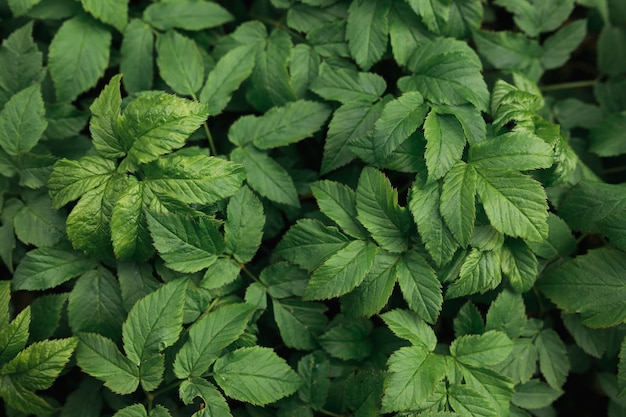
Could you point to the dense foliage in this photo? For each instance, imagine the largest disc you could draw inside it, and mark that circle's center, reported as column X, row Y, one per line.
column 313, row 208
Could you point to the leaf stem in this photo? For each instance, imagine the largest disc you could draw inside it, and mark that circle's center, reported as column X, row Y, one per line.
column 207, row 132
column 569, row 85
column 248, row 273
column 330, row 413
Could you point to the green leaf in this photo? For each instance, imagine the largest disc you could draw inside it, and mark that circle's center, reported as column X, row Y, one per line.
column 46, row 316
column 366, row 31
column 489, row 348
column 593, row 342
column 243, row 229
column 407, row 325
column 71, row 179
column 113, row 12
column 424, row 203
column 496, row 388
column 445, row 143
column 5, row 300
column 480, row 272
column 105, row 111
column 99, row 293
column 22, row 121
column 519, row 151
column 37, row 367
column 535, row 17
column 135, row 410
column 196, row 179
column 458, row 201
column 208, row 336
column 314, row 370
column 299, row 322
column 610, row 47
column 186, row 14
column 535, row 394
column 399, row 120
column 280, row 126
column 447, row 71
column 180, row 62
column 255, row 375
column 129, row 230
column 378, row 210
column 521, row 364
column 558, row 47
column 606, row 137
column 137, row 60
column 14, row 335
column 468, row 401
column 435, row 13
column 342, row 272
column 345, row 85
column 214, row 403
column 588, row 203
column 507, row 313
column 79, row 54
column 413, row 374
column 136, row 281
column 553, row 361
column 153, row 324
column 591, row 285
column 48, row 267
column 560, row 242
column 186, row 243
column 36, row 223
column 223, row 271
column 156, row 123
column 520, row 264
column 515, row 203
column 229, row 72
column 266, row 176
column 468, row 321
column 19, row 7
column 99, row 357
column 348, row 340
column 621, row 375
column 338, row 202
column 420, row 287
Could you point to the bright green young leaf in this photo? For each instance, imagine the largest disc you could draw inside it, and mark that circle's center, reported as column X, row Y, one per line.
column 407, row 325
column 591, row 285
column 338, row 202
column 14, row 336
column 208, row 336
column 156, row 123
column 186, row 243
column 553, row 360
column 299, row 322
column 399, row 120
column 469, row 402
column 413, row 373
column 214, row 403
column 79, row 54
column 349, row 122
column 280, row 126
column 342, row 272
column 113, row 12
column 22, row 121
column 458, row 201
column 366, row 31
column 243, row 229
column 230, row 71
column 535, row 17
column 71, row 179
column 99, row 293
column 520, row 264
column 515, row 203
column 435, row 13
column 99, row 357
column 420, row 287
column 129, row 230
column 507, row 313
column 479, row 273
column 36, row 223
column 180, row 63
column 348, row 340
column 445, row 143
column 105, row 111
column 447, row 71
column 424, row 203
column 255, row 375
column 186, row 14
column 344, row 85
column 266, row 176
column 137, row 61
column 378, row 210
column 535, row 394
column 48, row 267
column 519, row 151
column 486, row 349
column 558, row 47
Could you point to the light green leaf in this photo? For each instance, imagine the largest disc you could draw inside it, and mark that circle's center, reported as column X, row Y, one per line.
column 348, row 340
column 180, row 63
column 434, row 13
column 266, row 176
column 79, row 54
column 558, row 47
column 591, row 285
column 515, row 203
column 22, row 121
column 36, row 223
column 345, row 85
column 137, row 60
column 129, row 231
column 223, row 80
column 156, row 123
column 447, row 71
column 378, row 210
column 519, row 151
column 99, row 293
column 408, row 325
column 223, row 271
column 420, row 287
column 445, row 143
column 553, row 361
column 71, row 179
column 342, row 272
column 186, row 243
column 37, row 366
column 489, row 348
column 113, row 12
column 299, row 322
column 535, row 17
column 48, row 267
column 186, row 14
column 214, row 403
column 469, row 402
column 458, row 201
column 366, row 31
column 14, row 335
column 480, row 272
column 496, row 388
column 413, row 373
column 196, row 179
column 520, row 264
column 338, row 202
column 99, row 357
column 243, row 229
column 255, row 375
column 208, row 336
column 399, row 120
column 280, row 126
column 105, row 111
column 535, row 394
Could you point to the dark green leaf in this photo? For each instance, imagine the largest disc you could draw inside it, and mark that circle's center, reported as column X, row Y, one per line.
column 435, row 13
column 113, row 12
column 553, row 360
column 137, row 61
column 22, row 121
column 348, row 340
column 507, row 313
column 535, row 394
column 338, row 202
column 36, row 223
column 367, row 31
column 536, row 17
column 299, row 322
column 559, row 46
column 243, row 229
column 458, row 204
column 180, row 62
column 186, row 14
column 420, row 287
column 214, row 403
column 345, row 85
column 510, row 51
column 480, row 272
column 520, row 264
